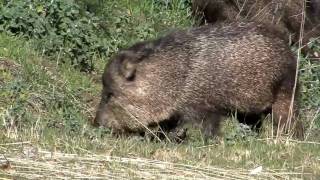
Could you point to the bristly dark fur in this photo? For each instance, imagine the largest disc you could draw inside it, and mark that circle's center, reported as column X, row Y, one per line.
column 198, row 75
column 283, row 14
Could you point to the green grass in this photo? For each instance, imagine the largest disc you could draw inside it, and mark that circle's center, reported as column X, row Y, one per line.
column 46, row 106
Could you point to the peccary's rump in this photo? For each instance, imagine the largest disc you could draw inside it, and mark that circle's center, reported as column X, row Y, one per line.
column 199, row 74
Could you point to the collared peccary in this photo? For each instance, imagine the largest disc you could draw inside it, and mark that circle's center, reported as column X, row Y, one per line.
column 199, row 75
column 283, row 14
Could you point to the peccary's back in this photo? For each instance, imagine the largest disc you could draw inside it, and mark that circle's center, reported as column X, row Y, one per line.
column 236, row 66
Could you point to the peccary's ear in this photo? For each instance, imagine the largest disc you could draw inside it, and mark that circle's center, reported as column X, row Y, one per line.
column 131, row 59
column 128, row 70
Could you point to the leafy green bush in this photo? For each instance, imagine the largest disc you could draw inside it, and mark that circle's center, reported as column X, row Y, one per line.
column 310, row 83
column 127, row 22
column 310, row 78
column 59, row 27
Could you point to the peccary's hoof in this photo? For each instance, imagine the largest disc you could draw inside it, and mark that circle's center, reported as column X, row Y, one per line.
column 178, row 135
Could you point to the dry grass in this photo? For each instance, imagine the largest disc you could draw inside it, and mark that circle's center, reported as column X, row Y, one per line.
column 34, row 163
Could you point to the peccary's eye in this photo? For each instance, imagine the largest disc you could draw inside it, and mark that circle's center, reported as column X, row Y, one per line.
column 131, row 77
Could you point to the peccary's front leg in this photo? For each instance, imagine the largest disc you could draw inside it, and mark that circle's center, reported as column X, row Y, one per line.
column 177, row 132
column 172, row 129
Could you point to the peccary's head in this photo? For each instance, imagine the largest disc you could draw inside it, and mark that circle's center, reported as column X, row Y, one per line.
column 130, row 99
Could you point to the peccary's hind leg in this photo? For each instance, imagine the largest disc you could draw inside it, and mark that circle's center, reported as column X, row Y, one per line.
column 211, row 125
column 285, row 116
column 252, row 119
